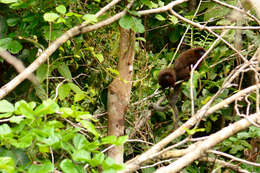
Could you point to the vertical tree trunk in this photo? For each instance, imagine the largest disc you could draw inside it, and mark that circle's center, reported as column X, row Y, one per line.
column 119, row 91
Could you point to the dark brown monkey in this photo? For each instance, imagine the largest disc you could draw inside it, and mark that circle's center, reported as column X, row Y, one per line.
column 182, row 67
column 180, row 71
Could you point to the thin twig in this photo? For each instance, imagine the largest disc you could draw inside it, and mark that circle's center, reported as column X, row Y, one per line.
column 234, row 158
column 237, row 9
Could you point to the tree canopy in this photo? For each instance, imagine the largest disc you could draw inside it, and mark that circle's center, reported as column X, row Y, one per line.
column 79, row 86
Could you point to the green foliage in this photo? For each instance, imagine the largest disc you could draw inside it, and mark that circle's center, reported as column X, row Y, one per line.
column 77, row 76
column 41, row 129
column 237, row 144
column 11, row 45
column 8, row 1
column 131, row 22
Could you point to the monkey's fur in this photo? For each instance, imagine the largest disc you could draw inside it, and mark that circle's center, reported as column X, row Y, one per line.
column 180, row 71
column 182, row 67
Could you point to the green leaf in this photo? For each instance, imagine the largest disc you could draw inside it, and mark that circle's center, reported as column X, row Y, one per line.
column 24, row 141
column 64, row 91
column 67, row 166
column 61, row 9
column 67, row 112
column 194, row 130
column 97, row 159
column 5, row 42
column 73, row 14
column 109, row 140
column 114, row 71
column 6, row 115
column 79, row 96
column 61, row 20
column 254, row 131
column 6, row 106
column 110, row 163
column 131, row 22
column 41, row 92
column 7, row 1
column 148, row 170
column 23, row 108
column 236, row 148
column 90, row 18
column 45, row 167
column 51, row 140
column 41, row 72
column 15, row 119
column 149, row 3
column 174, row 19
column 159, row 17
column 5, row 129
column 47, row 107
column 243, row 135
column 13, row 21
column 75, row 88
column 64, row 70
column 67, row 147
column 137, row 25
column 141, row 39
column 81, row 156
column 7, row 165
column 99, row 57
column 79, row 141
column 50, row 17
column 14, row 47
column 90, row 127
column 87, row 116
column 121, row 140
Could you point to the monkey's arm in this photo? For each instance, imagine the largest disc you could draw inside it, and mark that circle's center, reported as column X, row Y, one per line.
column 157, row 106
column 172, row 100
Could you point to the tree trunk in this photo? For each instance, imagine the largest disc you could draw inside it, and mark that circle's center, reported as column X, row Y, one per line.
column 119, row 91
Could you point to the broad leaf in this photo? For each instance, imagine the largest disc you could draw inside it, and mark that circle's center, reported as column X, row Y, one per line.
column 6, row 106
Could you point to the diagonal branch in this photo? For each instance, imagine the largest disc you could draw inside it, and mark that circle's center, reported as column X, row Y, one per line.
column 80, row 29
column 17, row 64
column 56, row 44
column 210, row 142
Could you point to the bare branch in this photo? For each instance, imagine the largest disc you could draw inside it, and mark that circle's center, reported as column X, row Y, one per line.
column 234, row 158
column 237, row 9
column 133, row 164
column 163, row 8
column 107, row 7
column 210, row 142
column 17, row 64
column 55, row 45
column 224, row 164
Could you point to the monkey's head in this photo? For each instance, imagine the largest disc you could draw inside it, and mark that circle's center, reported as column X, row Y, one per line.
column 167, row 78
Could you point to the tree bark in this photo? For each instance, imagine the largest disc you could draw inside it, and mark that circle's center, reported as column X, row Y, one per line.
column 119, row 91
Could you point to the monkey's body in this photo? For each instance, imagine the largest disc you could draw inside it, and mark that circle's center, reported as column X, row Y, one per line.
column 180, row 71
column 182, row 67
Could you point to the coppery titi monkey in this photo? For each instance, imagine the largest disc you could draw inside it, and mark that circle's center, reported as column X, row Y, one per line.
column 180, row 71
column 181, row 68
